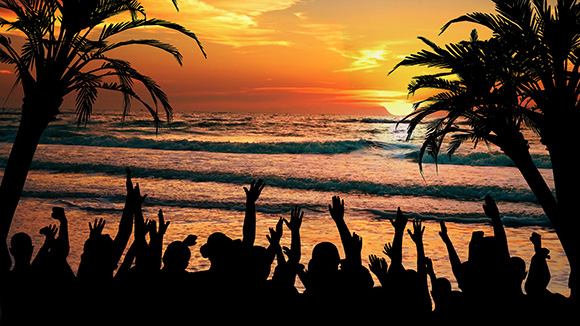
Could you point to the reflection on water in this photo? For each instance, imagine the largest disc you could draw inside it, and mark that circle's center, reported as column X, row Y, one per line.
column 195, row 169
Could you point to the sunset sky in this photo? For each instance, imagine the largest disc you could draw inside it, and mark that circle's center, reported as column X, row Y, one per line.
column 319, row 56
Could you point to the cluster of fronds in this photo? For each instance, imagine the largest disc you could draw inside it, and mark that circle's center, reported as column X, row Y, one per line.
column 489, row 90
column 65, row 52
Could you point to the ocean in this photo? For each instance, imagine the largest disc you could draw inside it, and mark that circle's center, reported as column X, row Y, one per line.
column 195, row 168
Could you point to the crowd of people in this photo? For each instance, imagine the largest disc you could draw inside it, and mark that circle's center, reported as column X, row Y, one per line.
column 118, row 283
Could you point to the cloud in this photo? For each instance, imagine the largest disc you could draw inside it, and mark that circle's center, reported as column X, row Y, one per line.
column 364, row 60
column 337, row 38
column 229, row 22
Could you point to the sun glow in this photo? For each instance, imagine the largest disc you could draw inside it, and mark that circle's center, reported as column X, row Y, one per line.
column 398, row 108
column 319, row 56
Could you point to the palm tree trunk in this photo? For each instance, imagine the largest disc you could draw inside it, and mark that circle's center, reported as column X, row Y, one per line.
column 567, row 222
column 29, row 132
column 516, row 147
column 559, row 133
column 517, row 150
column 562, row 211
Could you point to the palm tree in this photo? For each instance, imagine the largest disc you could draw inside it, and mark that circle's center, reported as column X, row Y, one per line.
column 66, row 49
column 478, row 93
column 546, row 41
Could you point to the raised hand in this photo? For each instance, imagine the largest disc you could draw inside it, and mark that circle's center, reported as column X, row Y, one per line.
column 378, row 266
column 492, row 212
column 255, row 190
column 58, row 214
column 443, row 233
column 49, row 232
column 336, row 209
column 151, row 226
column 162, row 224
column 138, row 199
column 400, row 221
column 95, row 230
column 275, row 234
column 388, row 250
column 490, row 208
column 249, row 227
column 191, row 240
column 357, row 242
column 295, row 222
column 129, row 182
column 418, row 229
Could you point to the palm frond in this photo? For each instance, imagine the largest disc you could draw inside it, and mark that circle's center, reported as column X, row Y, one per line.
column 169, row 48
column 436, row 58
column 87, row 92
column 116, row 28
column 127, row 75
column 490, row 21
column 433, row 82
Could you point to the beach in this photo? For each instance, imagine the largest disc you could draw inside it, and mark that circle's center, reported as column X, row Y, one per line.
column 194, row 169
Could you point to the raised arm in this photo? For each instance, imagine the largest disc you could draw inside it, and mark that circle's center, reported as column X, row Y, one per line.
column 395, row 249
column 294, row 224
column 492, row 212
column 379, row 267
column 453, row 257
column 417, row 237
column 336, row 210
column 274, row 249
column 140, row 242
column 61, row 246
column 252, row 195
column 155, row 249
column 126, row 223
column 42, row 256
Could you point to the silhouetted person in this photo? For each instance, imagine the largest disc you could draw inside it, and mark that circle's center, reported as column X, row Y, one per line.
column 232, row 262
column 19, row 283
column 21, row 249
column 176, row 258
column 284, row 277
column 357, row 279
column 51, row 260
column 543, row 304
column 96, row 265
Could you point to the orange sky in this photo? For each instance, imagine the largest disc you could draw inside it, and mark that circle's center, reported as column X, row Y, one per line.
column 319, row 56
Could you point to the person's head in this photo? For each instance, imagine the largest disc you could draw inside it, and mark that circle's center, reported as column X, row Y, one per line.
column 21, row 248
column 325, row 257
column 98, row 253
column 217, row 249
column 176, row 256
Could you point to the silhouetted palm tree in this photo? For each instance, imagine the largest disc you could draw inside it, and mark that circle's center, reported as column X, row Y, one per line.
column 547, row 41
column 479, row 95
column 66, row 49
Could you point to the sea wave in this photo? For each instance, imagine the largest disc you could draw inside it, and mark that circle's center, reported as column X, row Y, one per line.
column 112, row 204
column 454, row 192
column 493, row 158
column 307, row 147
